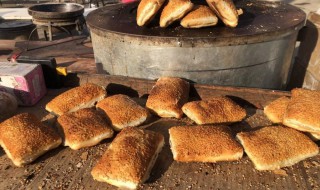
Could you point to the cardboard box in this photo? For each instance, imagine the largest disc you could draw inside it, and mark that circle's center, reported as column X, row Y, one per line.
column 24, row 81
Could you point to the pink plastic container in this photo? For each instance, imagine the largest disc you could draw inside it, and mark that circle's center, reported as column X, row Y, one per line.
column 24, row 81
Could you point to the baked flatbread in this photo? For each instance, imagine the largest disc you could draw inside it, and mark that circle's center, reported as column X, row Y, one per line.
column 274, row 147
column 276, row 109
column 123, row 112
column 226, row 11
column 168, row 96
column 174, row 10
column 303, row 111
column 204, row 144
column 84, row 96
column 215, row 110
column 200, row 16
column 84, row 128
column 275, row 112
column 24, row 138
column 147, row 10
column 129, row 158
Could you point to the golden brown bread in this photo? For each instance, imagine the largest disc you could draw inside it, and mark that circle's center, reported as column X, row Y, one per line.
column 147, row 10
column 123, row 112
column 174, row 10
column 276, row 109
column 200, row 16
column 204, row 144
column 215, row 110
column 84, row 96
column 129, row 158
column 167, row 97
column 303, row 111
column 274, row 147
column 24, row 138
column 225, row 10
column 83, row 128
column 275, row 112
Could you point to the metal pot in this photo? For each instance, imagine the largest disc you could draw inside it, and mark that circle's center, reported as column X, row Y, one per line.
column 16, row 30
column 56, row 10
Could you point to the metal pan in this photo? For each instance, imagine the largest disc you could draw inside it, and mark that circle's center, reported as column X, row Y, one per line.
column 56, row 10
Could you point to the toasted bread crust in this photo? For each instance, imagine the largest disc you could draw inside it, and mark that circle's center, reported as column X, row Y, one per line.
column 168, row 96
column 76, row 98
column 83, row 128
column 204, row 144
column 128, row 157
column 215, row 110
column 200, row 16
column 303, row 111
column 276, row 109
column 147, row 10
column 225, row 10
column 123, row 112
column 25, row 138
column 174, row 10
column 273, row 147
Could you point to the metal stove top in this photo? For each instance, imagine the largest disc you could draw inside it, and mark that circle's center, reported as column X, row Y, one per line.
column 261, row 21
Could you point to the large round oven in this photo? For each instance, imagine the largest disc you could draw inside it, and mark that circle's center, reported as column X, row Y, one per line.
column 257, row 53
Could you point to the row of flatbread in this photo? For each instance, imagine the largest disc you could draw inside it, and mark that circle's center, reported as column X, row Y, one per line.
column 24, row 137
column 130, row 157
column 191, row 16
column 269, row 148
column 289, row 140
column 299, row 112
column 266, row 147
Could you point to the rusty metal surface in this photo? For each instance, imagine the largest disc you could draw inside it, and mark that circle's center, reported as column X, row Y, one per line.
column 263, row 65
column 56, row 10
column 261, row 21
column 63, row 168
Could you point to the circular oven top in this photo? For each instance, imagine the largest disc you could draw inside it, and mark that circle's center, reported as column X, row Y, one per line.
column 260, row 21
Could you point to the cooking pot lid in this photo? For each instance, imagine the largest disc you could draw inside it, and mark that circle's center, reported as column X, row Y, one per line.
column 15, row 24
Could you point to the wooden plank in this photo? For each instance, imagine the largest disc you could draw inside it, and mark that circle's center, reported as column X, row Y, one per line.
column 7, row 44
column 141, row 87
column 70, row 47
column 77, row 65
column 64, row 168
column 75, row 53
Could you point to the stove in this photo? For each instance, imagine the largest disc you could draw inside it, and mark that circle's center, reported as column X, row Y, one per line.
column 257, row 53
column 63, row 17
